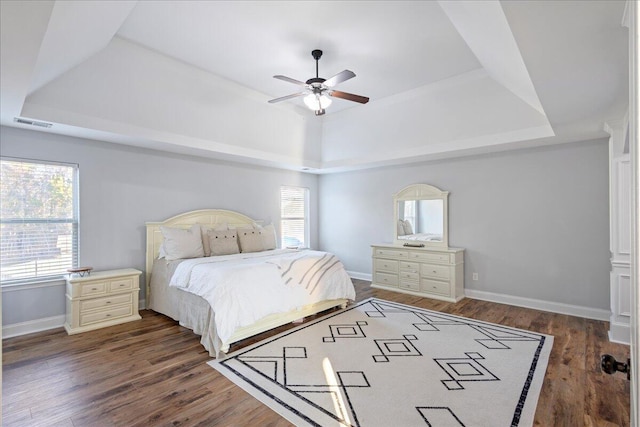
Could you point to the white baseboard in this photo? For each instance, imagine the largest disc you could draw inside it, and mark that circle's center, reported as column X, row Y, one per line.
column 554, row 307
column 38, row 325
column 358, row 275
column 31, row 326
column 619, row 333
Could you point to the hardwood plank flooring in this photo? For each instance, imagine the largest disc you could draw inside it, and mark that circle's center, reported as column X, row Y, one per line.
column 152, row 372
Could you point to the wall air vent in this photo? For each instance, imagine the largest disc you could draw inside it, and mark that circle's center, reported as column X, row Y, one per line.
column 30, row 122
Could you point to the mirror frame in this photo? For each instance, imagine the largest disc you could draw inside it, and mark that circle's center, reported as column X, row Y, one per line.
column 423, row 192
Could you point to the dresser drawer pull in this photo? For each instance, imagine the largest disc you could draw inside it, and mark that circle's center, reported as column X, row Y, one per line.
column 108, row 315
column 121, row 285
column 107, row 302
column 94, row 289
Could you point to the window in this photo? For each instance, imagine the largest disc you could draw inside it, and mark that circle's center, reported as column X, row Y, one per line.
column 294, row 224
column 38, row 219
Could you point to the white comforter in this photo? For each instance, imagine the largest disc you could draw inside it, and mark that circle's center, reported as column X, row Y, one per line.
column 244, row 288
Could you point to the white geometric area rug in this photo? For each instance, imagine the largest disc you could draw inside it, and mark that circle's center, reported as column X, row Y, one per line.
column 380, row 363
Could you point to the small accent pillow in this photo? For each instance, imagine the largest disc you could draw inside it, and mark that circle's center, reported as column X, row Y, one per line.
column 205, row 239
column 180, row 243
column 223, row 242
column 251, row 240
column 400, row 227
column 407, row 227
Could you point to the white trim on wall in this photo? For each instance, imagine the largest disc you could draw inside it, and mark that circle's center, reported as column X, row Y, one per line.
column 554, row 307
column 32, row 326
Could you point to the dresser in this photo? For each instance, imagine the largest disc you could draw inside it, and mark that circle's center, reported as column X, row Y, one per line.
column 427, row 272
column 101, row 299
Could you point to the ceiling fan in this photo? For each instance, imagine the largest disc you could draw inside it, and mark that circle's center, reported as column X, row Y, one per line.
column 318, row 90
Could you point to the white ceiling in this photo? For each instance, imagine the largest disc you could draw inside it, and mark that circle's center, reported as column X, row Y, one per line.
column 444, row 77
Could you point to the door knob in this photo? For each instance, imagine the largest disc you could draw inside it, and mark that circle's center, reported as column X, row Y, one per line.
column 610, row 365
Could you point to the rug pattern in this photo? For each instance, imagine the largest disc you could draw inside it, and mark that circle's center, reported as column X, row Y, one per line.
column 380, row 363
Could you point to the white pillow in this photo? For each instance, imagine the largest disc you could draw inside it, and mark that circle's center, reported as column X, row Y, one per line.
column 269, row 239
column 180, row 243
column 400, row 227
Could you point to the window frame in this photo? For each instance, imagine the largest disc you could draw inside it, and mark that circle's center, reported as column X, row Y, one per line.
column 304, row 218
column 74, row 221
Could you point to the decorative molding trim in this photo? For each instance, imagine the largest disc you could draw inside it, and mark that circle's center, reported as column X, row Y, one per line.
column 619, row 333
column 554, row 307
column 32, row 326
column 358, row 275
column 33, row 285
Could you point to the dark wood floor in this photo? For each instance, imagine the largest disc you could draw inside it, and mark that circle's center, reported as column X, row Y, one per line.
column 153, row 372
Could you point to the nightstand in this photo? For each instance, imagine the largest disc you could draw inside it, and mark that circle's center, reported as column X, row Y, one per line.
column 104, row 298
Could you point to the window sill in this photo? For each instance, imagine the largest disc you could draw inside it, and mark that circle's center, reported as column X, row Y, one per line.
column 44, row 283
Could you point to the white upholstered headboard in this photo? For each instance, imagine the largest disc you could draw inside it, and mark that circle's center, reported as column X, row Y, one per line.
column 207, row 217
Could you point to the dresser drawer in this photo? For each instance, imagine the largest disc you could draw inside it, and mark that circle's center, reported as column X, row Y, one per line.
column 386, row 279
column 435, row 287
column 409, row 266
column 121, row 285
column 104, row 315
column 91, row 304
column 91, row 288
column 435, row 271
column 391, row 253
column 408, row 275
column 386, row 265
column 413, row 285
column 430, row 257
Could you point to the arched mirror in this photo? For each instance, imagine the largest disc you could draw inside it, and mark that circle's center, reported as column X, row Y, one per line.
column 420, row 216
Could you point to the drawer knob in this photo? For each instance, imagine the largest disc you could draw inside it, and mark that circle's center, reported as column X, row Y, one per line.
column 94, row 289
column 121, row 285
column 108, row 302
column 108, row 315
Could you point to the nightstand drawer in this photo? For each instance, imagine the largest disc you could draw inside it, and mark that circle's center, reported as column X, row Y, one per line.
column 111, row 301
column 386, row 265
column 121, row 285
column 92, row 288
column 103, row 315
column 435, row 271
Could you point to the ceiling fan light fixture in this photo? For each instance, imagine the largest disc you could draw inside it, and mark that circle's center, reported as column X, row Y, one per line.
column 316, row 101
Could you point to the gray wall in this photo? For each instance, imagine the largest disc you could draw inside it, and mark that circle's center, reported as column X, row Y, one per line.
column 123, row 187
column 534, row 222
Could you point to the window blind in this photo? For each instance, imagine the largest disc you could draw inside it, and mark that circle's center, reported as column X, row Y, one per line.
column 293, row 216
column 38, row 219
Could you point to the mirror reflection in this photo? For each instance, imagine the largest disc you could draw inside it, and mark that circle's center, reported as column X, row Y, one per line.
column 421, row 220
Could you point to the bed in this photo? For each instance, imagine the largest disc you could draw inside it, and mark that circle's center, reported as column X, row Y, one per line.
column 188, row 290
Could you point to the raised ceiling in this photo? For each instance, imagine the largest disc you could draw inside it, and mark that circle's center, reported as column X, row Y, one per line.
column 444, row 77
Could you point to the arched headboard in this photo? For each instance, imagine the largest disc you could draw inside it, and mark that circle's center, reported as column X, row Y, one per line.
column 206, row 217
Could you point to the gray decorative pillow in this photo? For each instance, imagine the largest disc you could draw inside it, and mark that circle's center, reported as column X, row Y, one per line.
column 250, row 240
column 223, row 242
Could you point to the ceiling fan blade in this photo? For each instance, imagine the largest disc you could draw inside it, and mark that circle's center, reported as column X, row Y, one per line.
column 290, row 80
column 349, row 96
column 284, row 98
column 339, row 78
